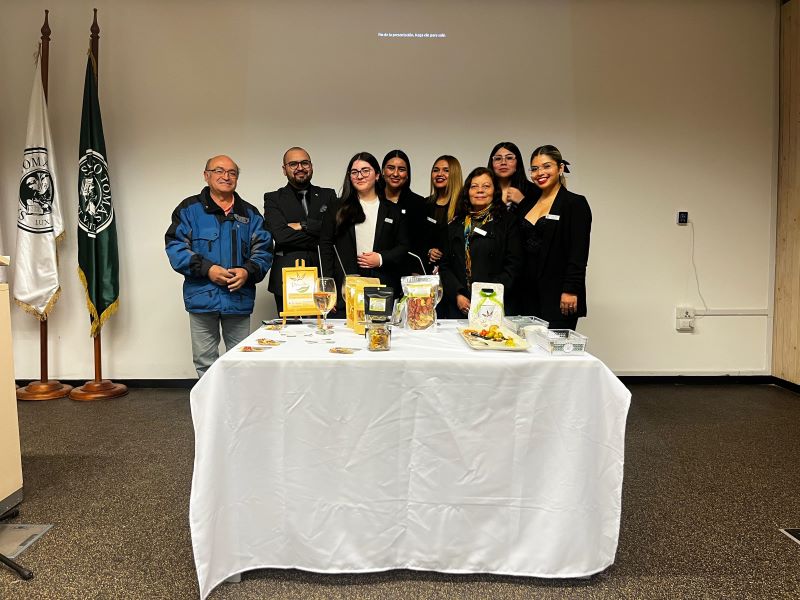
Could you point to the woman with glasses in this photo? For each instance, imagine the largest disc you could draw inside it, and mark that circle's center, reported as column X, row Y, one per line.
column 396, row 170
column 555, row 233
column 483, row 244
column 505, row 160
column 366, row 230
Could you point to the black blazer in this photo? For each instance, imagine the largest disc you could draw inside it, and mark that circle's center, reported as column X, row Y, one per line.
column 391, row 242
column 496, row 258
column 530, row 192
column 412, row 210
column 562, row 259
column 282, row 207
column 433, row 234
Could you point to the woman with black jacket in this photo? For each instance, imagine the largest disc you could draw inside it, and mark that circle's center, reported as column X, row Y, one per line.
column 483, row 244
column 440, row 208
column 396, row 169
column 555, row 232
column 505, row 161
column 364, row 228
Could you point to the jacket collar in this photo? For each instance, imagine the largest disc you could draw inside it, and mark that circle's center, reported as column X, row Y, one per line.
column 289, row 189
column 211, row 207
column 558, row 202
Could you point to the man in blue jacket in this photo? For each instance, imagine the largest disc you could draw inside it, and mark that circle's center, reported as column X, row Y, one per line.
column 218, row 242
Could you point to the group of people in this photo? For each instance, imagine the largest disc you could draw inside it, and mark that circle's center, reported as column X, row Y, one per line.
column 496, row 226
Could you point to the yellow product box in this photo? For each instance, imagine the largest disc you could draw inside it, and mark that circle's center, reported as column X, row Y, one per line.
column 354, row 300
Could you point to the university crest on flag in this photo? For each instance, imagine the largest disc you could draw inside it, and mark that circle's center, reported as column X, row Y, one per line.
column 36, row 192
column 95, row 212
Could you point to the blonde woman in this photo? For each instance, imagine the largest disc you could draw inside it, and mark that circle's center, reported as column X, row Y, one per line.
column 446, row 185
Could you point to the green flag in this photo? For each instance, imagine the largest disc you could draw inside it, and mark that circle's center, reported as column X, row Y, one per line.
column 98, row 261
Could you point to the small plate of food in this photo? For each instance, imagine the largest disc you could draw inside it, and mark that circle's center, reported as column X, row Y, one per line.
column 493, row 337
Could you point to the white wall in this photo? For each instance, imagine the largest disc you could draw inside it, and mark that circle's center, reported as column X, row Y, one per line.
column 659, row 106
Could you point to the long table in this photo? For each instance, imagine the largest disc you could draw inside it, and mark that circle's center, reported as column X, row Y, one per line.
column 432, row 456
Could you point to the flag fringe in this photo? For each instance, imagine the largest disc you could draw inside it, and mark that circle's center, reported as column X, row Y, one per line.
column 97, row 320
column 42, row 316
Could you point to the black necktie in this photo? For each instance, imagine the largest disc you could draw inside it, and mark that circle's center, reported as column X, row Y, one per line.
column 303, row 201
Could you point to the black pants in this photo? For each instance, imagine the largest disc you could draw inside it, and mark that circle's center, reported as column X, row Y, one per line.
column 564, row 323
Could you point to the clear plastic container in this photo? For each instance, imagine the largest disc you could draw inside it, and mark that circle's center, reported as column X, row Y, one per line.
column 421, row 294
column 517, row 324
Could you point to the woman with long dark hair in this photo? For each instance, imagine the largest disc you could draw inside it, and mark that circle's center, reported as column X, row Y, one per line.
column 483, row 244
column 505, row 161
column 396, row 170
column 555, row 231
column 364, row 228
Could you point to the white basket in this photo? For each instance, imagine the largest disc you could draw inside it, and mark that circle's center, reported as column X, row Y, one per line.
column 560, row 341
column 517, row 324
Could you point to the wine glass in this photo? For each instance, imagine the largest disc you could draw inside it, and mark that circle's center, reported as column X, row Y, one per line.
column 439, row 295
column 325, row 300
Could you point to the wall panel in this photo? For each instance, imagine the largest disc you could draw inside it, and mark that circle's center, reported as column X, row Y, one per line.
column 786, row 335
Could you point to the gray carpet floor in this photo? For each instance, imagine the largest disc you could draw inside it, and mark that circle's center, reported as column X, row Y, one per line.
column 711, row 475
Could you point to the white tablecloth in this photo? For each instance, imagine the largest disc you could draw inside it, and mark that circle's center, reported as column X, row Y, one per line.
column 432, row 456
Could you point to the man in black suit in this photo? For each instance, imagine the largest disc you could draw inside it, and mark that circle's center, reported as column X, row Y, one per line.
column 293, row 215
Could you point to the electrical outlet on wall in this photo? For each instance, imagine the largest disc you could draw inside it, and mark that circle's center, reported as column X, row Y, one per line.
column 682, row 218
column 684, row 318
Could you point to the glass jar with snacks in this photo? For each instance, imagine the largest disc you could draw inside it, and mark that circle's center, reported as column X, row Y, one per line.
column 379, row 336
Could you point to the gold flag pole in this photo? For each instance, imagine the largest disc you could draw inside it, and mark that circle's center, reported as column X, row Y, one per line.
column 98, row 388
column 44, row 389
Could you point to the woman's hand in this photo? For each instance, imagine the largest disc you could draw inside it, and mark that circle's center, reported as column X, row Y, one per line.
column 369, row 260
column 512, row 194
column 463, row 303
column 434, row 255
column 569, row 304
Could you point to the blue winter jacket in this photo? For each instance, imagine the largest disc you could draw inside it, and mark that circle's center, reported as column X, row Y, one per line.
column 202, row 235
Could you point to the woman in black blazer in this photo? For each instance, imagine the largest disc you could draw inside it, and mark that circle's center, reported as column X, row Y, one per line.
column 555, row 232
column 364, row 228
column 483, row 244
column 505, row 160
column 396, row 170
column 440, row 208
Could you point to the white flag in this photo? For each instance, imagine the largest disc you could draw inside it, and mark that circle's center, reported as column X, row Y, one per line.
column 39, row 223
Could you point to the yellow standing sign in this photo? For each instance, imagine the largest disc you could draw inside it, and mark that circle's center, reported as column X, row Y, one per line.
column 298, row 291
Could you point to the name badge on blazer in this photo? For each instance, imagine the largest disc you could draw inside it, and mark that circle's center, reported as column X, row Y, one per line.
column 432, row 220
column 552, row 217
column 389, row 220
column 323, row 208
column 480, row 231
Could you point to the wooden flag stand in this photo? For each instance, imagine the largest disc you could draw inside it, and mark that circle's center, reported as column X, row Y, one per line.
column 98, row 388
column 44, row 389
